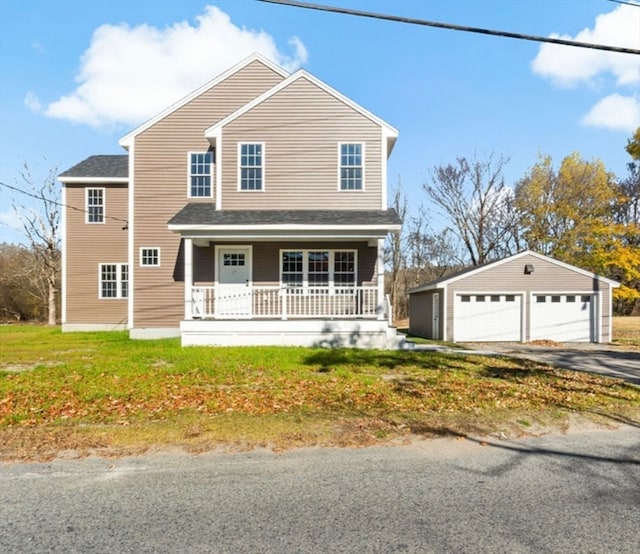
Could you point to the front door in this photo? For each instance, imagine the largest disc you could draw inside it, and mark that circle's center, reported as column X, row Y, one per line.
column 233, row 293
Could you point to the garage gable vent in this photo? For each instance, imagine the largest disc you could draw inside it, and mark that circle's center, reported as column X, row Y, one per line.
column 528, row 269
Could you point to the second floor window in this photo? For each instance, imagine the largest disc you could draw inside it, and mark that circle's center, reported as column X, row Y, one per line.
column 251, row 166
column 351, row 166
column 150, row 257
column 95, row 205
column 200, row 173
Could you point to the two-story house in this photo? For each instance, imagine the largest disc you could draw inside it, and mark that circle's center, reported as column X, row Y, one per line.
column 253, row 211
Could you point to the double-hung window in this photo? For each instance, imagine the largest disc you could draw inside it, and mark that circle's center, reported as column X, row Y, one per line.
column 318, row 270
column 200, row 174
column 113, row 280
column 351, row 157
column 94, row 205
column 251, row 166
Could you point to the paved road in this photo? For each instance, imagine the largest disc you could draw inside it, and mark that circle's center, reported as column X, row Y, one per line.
column 576, row 493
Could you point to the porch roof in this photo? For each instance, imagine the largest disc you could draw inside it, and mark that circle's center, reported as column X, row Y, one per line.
column 200, row 219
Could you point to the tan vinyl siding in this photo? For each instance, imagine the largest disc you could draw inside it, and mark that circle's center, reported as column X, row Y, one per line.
column 87, row 246
column 301, row 127
column 161, row 188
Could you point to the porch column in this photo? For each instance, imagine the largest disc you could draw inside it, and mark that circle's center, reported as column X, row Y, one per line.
column 188, row 278
column 381, row 302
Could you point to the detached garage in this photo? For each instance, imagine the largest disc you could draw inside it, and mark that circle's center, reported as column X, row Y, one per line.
column 522, row 298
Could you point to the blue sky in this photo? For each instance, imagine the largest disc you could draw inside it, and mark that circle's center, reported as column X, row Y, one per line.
column 75, row 76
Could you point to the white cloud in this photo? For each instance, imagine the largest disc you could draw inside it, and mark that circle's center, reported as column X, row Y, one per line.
column 615, row 112
column 31, row 101
column 129, row 74
column 11, row 219
column 570, row 66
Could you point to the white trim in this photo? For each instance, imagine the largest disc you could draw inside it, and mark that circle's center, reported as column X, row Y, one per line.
column 141, row 257
column 94, row 180
column 86, row 206
column 362, row 166
column 189, row 175
column 263, row 180
column 127, row 140
column 441, row 283
column 188, row 278
column 445, row 313
column 218, row 168
column 380, row 278
column 610, row 314
column 63, row 261
column 301, row 73
column 130, row 235
column 118, row 281
column 384, row 155
column 286, row 227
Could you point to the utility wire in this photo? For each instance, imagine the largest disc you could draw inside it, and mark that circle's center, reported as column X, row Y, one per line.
column 56, row 203
column 625, row 3
column 450, row 26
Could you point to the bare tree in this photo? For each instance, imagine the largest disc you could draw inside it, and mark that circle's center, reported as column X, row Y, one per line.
column 474, row 197
column 41, row 227
column 395, row 252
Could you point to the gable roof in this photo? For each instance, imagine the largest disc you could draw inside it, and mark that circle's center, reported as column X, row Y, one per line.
column 204, row 216
column 126, row 141
column 439, row 283
column 113, row 168
column 390, row 132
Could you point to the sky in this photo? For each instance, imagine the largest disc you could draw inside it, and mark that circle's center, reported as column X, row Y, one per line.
column 77, row 75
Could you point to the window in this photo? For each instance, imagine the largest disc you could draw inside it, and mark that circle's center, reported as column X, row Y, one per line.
column 95, row 205
column 318, row 268
column 114, row 280
column 465, row 298
column 555, row 299
column 541, row 299
column 150, row 257
column 480, row 298
column 510, row 298
column 251, row 166
column 233, row 259
column 200, row 173
column 586, row 299
column 351, row 166
column 495, row 298
column 571, row 298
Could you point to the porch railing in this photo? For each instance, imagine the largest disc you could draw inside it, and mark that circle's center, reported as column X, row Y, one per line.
column 286, row 302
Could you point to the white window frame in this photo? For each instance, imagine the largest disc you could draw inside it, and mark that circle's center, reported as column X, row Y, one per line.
column 103, row 192
column 118, row 280
column 262, row 166
column 142, row 256
column 191, row 175
column 361, row 166
column 331, row 285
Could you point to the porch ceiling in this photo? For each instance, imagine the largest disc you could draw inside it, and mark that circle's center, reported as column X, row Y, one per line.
column 203, row 220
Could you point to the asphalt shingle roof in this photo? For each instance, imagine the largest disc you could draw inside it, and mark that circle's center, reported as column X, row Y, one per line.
column 112, row 165
column 206, row 214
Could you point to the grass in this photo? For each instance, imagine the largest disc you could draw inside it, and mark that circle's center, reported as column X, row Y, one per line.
column 101, row 392
column 626, row 332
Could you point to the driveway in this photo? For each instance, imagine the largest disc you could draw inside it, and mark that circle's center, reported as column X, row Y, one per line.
column 602, row 359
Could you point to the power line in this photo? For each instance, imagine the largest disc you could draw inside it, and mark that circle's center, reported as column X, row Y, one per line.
column 625, row 3
column 56, row 203
column 453, row 27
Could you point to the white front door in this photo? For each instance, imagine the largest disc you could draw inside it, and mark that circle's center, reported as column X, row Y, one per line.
column 233, row 292
column 435, row 319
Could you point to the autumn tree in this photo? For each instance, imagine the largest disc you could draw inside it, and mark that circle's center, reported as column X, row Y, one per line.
column 569, row 213
column 476, row 201
column 41, row 226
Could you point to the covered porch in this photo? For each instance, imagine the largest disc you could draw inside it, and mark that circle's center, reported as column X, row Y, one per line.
column 313, row 278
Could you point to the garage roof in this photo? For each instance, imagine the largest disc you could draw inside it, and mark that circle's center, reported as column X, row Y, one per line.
column 465, row 273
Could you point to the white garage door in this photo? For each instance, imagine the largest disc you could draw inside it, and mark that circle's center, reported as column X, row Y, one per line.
column 487, row 317
column 562, row 317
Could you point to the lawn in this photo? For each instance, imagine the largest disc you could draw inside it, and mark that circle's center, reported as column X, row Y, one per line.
column 101, row 392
